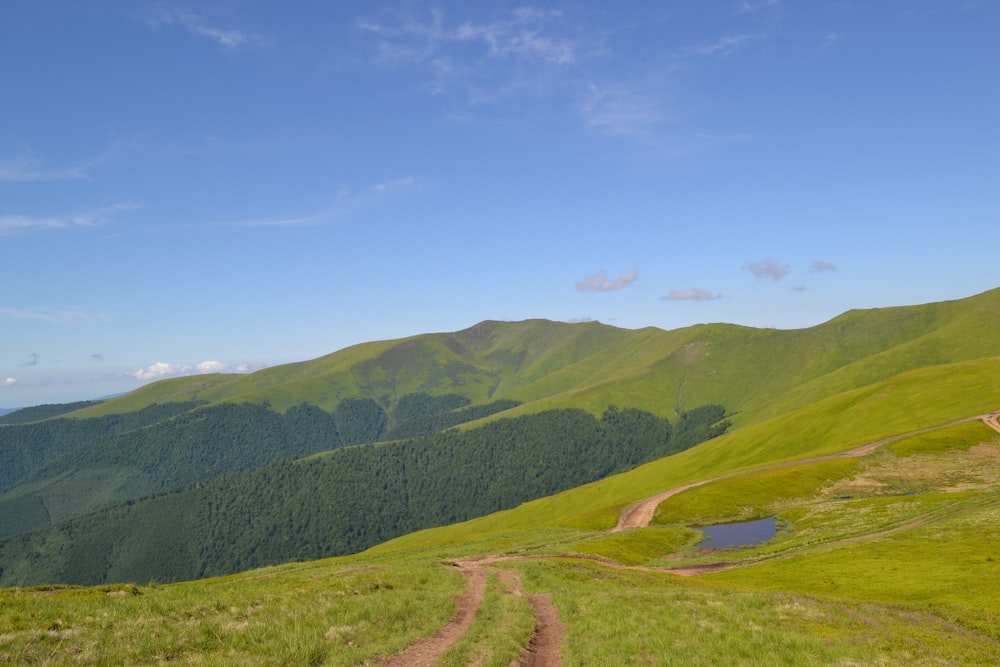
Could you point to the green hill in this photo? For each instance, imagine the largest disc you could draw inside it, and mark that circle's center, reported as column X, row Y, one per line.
column 862, row 436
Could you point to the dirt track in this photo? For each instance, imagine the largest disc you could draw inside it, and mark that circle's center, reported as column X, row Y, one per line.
column 544, row 649
column 640, row 515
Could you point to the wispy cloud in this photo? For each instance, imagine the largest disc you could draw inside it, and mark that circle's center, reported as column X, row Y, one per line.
column 721, row 48
column 622, row 110
column 200, row 26
column 62, row 317
column 692, row 294
column 521, row 53
column 525, row 35
column 754, row 6
column 18, row 224
column 347, row 202
column 8, row 382
column 599, row 282
column 821, row 265
column 767, row 268
column 32, row 169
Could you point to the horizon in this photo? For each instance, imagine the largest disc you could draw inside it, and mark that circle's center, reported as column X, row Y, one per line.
column 229, row 187
column 6, row 409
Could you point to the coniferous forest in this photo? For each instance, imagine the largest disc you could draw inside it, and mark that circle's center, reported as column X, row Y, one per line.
column 245, row 498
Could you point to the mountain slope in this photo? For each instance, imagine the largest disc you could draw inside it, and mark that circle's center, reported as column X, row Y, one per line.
column 880, row 558
column 756, row 373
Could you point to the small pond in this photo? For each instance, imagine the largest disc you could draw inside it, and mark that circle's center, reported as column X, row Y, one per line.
column 743, row 534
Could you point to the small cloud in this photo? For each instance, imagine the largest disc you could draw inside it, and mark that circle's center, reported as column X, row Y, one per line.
column 799, row 288
column 32, row 360
column 8, row 382
column 211, row 367
column 599, row 282
column 692, row 294
column 97, row 357
column 248, row 368
column 160, row 369
column 820, row 265
column 767, row 268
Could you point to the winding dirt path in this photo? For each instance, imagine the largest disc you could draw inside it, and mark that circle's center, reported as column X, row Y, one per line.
column 640, row 515
column 544, row 648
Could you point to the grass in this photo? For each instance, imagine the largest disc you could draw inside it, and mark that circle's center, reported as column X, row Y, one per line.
column 828, row 591
column 502, row 627
column 886, row 560
column 319, row 613
column 625, row 617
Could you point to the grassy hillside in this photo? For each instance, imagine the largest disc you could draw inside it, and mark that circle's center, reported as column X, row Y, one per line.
column 881, row 560
column 882, row 557
column 756, row 373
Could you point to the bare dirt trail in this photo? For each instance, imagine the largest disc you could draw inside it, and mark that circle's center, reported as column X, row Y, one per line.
column 640, row 515
column 427, row 652
column 544, row 649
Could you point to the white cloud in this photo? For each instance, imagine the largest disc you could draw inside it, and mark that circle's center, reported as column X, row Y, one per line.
column 599, row 282
column 8, row 382
column 767, row 268
column 692, row 294
column 820, row 265
column 163, row 369
column 160, row 369
column 211, row 367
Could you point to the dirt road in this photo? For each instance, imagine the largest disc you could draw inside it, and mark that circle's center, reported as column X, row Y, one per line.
column 544, row 649
column 640, row 515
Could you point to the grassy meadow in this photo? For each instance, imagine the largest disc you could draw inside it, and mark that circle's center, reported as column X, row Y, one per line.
column 886, row 558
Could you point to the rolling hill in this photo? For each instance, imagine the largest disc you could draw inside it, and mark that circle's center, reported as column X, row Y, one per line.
column 868, row 438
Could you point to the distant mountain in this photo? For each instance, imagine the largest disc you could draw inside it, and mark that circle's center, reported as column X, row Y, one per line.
column 178, row 436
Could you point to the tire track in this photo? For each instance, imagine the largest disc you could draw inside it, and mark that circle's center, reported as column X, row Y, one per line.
column 641, row 514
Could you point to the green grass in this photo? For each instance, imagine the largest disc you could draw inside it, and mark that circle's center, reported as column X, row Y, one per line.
column 625, row 617
column 322, row 613
column 502, row 627
column 863, row 573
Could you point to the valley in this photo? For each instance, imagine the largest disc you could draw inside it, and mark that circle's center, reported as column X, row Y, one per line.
column 879, row 462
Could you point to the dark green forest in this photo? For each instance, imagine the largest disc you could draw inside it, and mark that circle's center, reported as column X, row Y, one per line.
column 166, row 447
column 347, row 499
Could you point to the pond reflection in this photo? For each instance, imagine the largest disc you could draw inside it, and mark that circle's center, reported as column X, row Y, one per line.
column 742, row 534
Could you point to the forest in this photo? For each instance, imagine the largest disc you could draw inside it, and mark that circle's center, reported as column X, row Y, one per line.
column 346, row 499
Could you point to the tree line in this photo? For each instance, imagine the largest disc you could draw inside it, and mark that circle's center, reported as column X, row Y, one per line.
column 348, row 499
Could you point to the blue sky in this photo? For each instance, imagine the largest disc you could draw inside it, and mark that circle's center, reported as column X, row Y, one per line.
column 223, row 186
